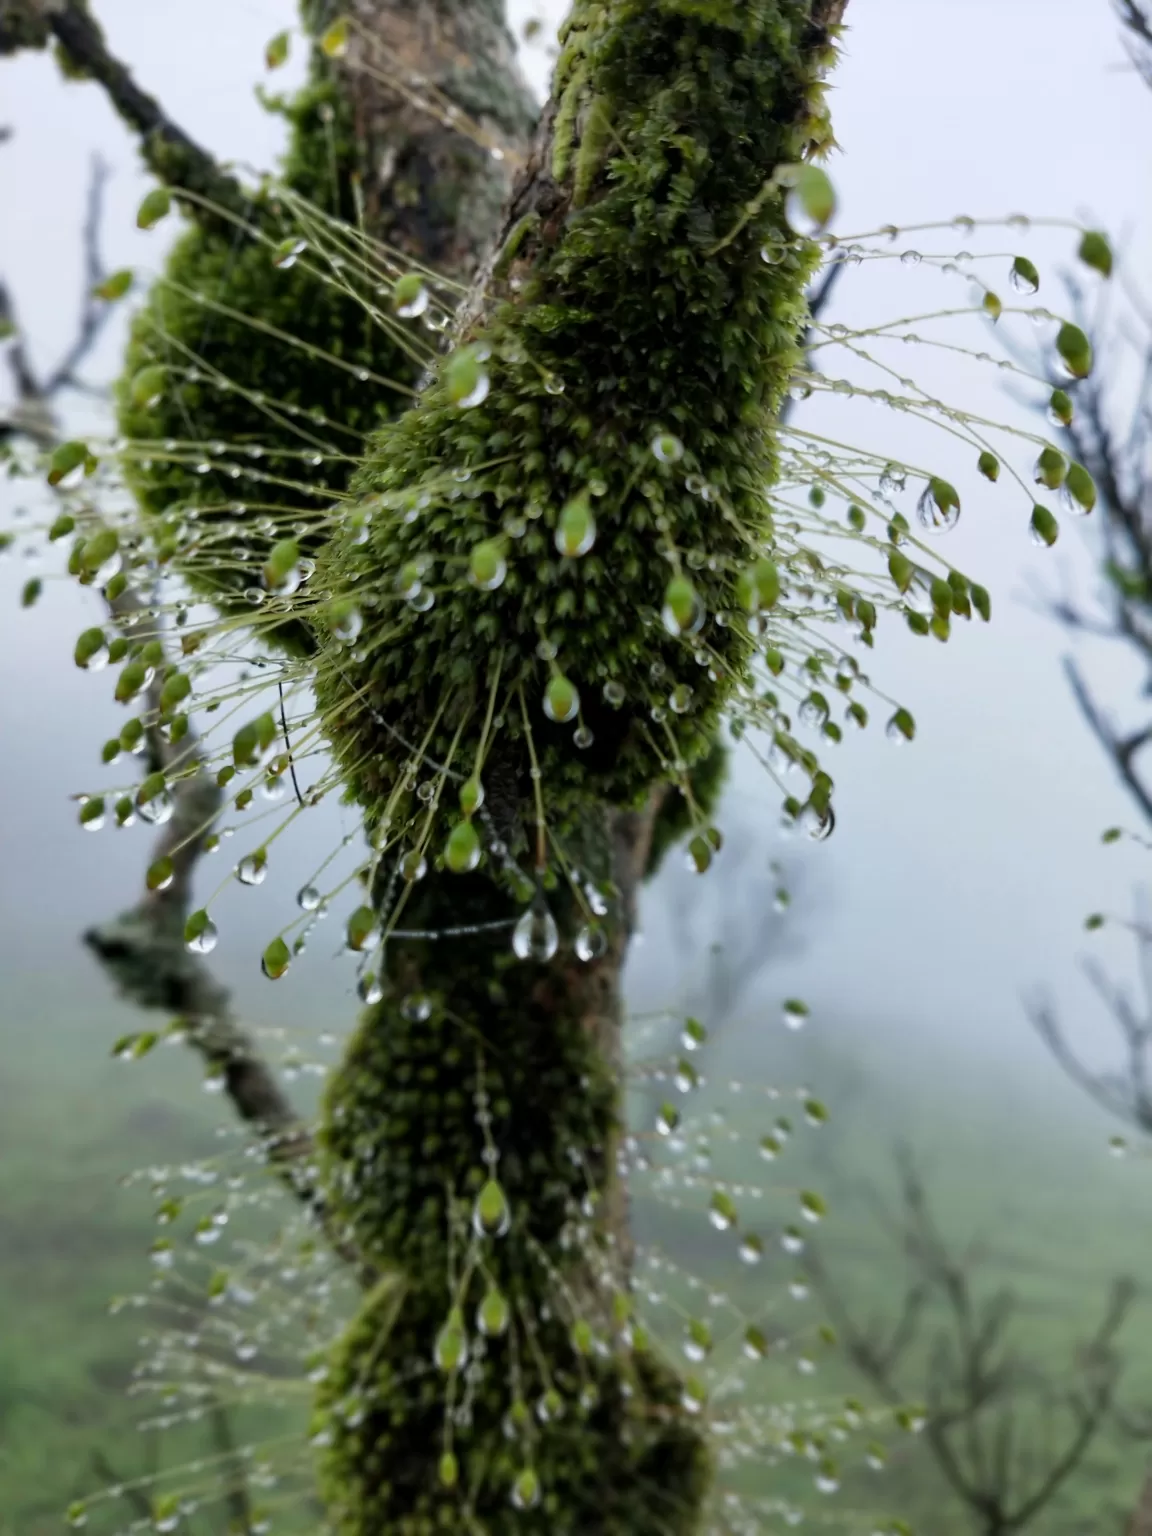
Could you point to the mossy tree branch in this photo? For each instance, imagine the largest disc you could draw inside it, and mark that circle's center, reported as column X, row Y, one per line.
column 168, row 150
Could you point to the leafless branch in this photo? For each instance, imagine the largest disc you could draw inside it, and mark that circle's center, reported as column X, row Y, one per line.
column 170, row 152
column 1121, row 749
column 1126, row 1094
column 980, row 1396
column 31, row 414
column 1137, row 18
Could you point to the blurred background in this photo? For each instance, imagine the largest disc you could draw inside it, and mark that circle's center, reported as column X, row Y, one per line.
column 952, row 894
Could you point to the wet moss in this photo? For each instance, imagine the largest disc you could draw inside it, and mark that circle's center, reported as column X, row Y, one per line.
column 401, row 1141
column 613, row 1452
column 647, row 310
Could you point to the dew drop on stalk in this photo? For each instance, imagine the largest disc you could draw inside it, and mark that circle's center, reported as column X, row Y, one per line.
column 751, row 1249
column 591, row 942
column 526, row 1490
column 369, row 988
column 307, row 898
column 491, row 1215
column 795, row 1013
column 156, row 810
column 819, row 825
column 478, row 394
column 535, row 936
column 667, row 448
column 252, row 869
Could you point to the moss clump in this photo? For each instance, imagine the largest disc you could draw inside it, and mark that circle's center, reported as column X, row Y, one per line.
column 610, row 1449
column 277, row 375
column 638, row 358
column 402, row 1135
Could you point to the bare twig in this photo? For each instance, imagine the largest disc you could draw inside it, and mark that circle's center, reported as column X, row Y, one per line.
column 1121, row 749
column 1126, row 1094
column 978, row 1389
column 170, row 152
column 1137, row 18
column 31, row 413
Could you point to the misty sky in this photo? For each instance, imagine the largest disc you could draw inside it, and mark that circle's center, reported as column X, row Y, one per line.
column 962, row 866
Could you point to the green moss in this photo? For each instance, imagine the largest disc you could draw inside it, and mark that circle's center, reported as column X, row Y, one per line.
column 400, row 1141
column 649, row 310
column 616, row 1456
column 259, row 354
column 231, row 379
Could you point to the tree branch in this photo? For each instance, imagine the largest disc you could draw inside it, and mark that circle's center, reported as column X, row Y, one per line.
column 976, row 1387
column 1122, row 750
column 170, row 152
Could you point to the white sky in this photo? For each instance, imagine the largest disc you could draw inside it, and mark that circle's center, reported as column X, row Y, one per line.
column 961, row 867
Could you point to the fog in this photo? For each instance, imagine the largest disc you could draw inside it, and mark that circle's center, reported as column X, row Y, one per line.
column 961, row 866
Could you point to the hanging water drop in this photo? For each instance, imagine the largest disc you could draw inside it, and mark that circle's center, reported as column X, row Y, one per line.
column 535, row 936
column 591, row 942
column 526, row 1490
column 491, row 1216
column 253, row 868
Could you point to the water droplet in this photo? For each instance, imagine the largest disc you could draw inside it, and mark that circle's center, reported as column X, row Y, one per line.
column 722, row 1211
column 308, row 898
column 493, row 1313
column 204, row 942
column 414, row 866
column 561, row 699
column 892, row 479
column 157, row 809
column 554, row 384
column 535, row 936
column 369, row 988
column 667, row 448
column 487, row 566
column 491, row 1216
column 938, row 508
column 412, row 297
column 526, row 1490
column 417, row 1007
column 347, row 621
column 252, row 869
column 614, row 694
column 795, row 1013
column 591, row 942
column 751, row 1249
column 478, row 394
column 819, row 825
column 575, row 528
